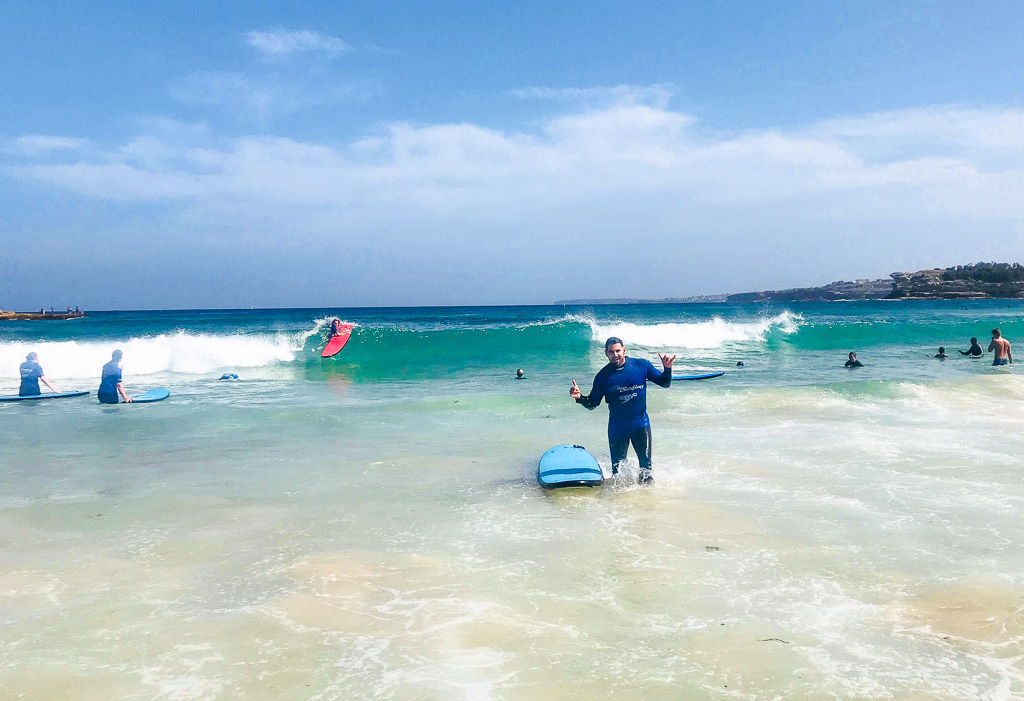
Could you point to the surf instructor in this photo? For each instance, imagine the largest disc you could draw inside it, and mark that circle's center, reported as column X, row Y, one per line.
column 622, row 383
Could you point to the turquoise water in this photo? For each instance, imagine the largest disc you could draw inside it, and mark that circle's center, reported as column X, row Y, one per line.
column 370, row 526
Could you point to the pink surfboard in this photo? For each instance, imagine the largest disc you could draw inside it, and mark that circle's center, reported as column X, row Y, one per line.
column 338, row 342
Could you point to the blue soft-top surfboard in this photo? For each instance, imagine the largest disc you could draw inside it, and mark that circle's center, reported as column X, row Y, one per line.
column 153, row 395
column 706, row 376
column 569, row 466
column 49, row 395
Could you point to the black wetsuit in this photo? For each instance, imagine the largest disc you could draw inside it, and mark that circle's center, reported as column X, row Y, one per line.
column 975, row 351
column 853, row 364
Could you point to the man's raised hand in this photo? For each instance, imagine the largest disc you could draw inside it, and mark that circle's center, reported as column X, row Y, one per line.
column 574, row 392
column 666, row 360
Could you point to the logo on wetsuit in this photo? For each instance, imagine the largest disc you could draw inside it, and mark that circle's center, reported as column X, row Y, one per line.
column 632, row 389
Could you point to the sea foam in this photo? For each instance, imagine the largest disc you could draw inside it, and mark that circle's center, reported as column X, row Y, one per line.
column 712, row 333
column 180, row 352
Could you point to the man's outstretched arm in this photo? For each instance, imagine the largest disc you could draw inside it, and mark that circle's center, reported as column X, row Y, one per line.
column 590, row 401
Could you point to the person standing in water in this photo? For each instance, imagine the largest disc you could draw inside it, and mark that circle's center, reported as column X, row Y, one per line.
column 975, row 350
column 31, row 376
column 852, row 362
column 622, row 383
column 110, row 381
column 941, row 355
column 1001, row 347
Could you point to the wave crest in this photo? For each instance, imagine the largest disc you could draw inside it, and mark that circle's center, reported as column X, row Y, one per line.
column 712, row 333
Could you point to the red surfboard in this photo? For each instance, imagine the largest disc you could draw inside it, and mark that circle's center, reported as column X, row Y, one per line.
column 338, row 342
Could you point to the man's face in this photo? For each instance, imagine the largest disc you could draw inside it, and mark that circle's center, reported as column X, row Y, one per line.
column 616, row 353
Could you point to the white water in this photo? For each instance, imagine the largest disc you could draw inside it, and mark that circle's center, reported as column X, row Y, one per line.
column 713, row 333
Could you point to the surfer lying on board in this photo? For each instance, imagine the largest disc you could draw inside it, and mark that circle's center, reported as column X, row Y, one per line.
column 31, row 376
column 622, row 383
column 110, row 381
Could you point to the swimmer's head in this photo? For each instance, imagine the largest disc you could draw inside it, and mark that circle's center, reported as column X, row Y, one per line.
column 853, row 356
column 974, row 339
column 32, row 357
column 519, row 372
column 997, row 333
column 942, row 349
column 739, row 363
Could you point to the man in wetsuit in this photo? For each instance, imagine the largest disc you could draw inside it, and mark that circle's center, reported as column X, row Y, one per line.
column 852, row 361
column 975, row 350
column 31, row 376
column 1001, row 347
column 110, row 381
column 622, row 383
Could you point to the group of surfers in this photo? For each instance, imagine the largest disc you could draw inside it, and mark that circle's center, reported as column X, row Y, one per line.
column 999, row 345
column 110, row 392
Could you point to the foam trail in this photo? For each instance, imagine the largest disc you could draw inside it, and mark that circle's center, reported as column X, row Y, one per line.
column 179, row 352
column 713, row 333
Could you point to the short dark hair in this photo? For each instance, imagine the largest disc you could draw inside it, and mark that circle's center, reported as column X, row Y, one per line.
column 612, row 341
column 997, row 332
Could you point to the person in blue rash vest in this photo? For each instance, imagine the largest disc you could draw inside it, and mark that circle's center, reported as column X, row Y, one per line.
column 110, row 381
column 622, row 383
column 31, row 376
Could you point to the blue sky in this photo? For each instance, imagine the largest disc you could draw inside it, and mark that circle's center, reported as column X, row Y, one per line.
column 335, row 154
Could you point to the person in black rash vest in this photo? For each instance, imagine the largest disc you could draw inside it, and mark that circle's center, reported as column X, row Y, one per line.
column 31, row 376
column 975, row 350
column 110, row 381
column 622, row 383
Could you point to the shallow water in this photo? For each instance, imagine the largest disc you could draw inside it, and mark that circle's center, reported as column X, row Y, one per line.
column 371, row 526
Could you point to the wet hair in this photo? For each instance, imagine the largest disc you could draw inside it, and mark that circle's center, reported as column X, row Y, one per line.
column 612, row 341
column 974, row 339
column 519, row 372
column 852, row 354
column 31, row 356
column 942, row 349
column 116, row 355
column 997, row 332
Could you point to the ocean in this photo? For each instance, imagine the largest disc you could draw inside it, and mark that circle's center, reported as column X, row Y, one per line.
column 370, row 526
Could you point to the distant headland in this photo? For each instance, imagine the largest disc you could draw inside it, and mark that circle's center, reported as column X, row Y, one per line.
column 973, row 281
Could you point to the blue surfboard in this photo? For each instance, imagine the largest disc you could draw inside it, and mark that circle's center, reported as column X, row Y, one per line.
column 706, row 376
column 153, row 395
column 569, row 466
column 49, row 395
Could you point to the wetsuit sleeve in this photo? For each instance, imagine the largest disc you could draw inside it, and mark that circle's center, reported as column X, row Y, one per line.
column 597, row 392
column 663, row 378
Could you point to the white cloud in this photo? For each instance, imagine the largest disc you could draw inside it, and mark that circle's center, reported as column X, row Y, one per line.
column 284, row 42
column 654, row 95
column 37, row 143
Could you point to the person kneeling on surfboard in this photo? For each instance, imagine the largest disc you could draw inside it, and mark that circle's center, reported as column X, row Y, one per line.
column 110, row 381
column 31, row 376
column 622, row 383
column 334, row 330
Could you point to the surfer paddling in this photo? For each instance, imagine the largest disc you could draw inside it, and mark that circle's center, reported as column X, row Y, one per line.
column 622, row 383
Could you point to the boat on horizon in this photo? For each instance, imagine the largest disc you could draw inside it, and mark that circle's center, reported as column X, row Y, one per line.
column 41, row 315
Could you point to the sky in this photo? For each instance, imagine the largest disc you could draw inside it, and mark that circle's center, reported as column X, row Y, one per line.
column 311, row 154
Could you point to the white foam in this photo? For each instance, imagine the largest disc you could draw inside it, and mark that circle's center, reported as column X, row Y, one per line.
column 712, row 333
column 180, row 352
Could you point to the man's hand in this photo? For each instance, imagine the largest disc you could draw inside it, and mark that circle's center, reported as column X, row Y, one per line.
column 575, row 391
column 666, row 360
